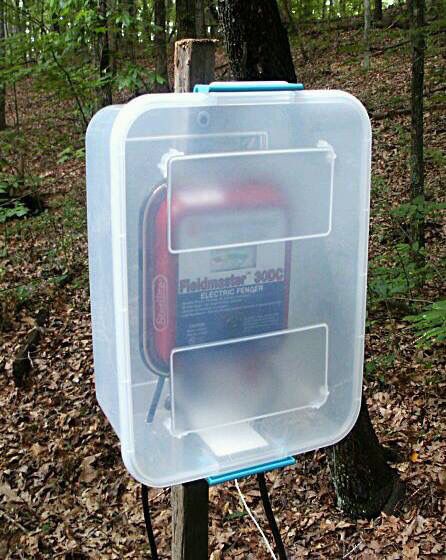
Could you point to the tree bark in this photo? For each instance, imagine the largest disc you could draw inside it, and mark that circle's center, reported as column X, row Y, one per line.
column 106, row 95
column 330, row 11
column 363, row 481
column 378, row 11
column 146, row 17
column 416, row 8
column 113, row 40
column 2, row 63
column 367, row 22
column 285, row 13
column 131, row 31
column 200, row 28
column 185, row 19
column 288, row 18
column 307, row 10
column 212, row 16
column 160, row 42
column 256, row 40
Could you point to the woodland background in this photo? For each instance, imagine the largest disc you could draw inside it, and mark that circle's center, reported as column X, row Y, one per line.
column 64, row 492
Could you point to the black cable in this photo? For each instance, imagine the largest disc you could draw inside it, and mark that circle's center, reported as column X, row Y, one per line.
column 266, row 506
column 270, row 516
column 155, row 399
column 148, row 522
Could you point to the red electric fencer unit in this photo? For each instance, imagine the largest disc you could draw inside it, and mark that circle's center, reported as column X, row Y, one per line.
column 239, row 292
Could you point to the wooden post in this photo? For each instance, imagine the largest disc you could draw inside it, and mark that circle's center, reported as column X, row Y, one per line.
column 190, row 504
column 194, row 63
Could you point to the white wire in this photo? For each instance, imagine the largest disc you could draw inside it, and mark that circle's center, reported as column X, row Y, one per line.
column 254, row 520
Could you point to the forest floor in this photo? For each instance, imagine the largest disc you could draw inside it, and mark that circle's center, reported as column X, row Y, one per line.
column 64, row 492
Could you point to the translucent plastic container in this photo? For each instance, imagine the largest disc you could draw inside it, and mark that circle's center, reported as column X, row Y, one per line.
column 228, row 258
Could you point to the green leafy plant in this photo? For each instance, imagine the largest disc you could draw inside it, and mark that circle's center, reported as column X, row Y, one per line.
column 137, row 78
column 13, row 191
column 9, row 184
column 16, row 210
column 435, row 155
column 417, row 209
column 71, row 153
column 376, row 367
column 23, row 293
column 10, row 204
column 396, row 273
column 430, row 324
column 379, row 185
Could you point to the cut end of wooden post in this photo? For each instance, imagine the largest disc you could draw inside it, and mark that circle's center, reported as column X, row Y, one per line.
column 194, row 63
column 183, row 42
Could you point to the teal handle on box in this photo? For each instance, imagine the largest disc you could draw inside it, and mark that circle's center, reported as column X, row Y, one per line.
column 264, row 467
column 233, row 87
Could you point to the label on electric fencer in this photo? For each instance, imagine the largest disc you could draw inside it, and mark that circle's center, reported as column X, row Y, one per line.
column 232, row 293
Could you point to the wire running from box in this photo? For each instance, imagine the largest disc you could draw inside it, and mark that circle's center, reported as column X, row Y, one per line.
column 148, row 522
column 266, row 506
column 270, row 516
column 254, row 520
column 155, row 399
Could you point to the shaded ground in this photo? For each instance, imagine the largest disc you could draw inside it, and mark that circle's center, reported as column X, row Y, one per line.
column 64, row 492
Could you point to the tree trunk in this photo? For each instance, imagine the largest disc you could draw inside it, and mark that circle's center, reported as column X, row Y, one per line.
column 200, row 28
column 211, row 17
column 288, row 17
column 2, row 63
column 27, row 28
column 113, row 40
column 307, row 10
column 417, row 159
column 131, row 31
column 378, row 11
column 284, row 13
column 170, row 21
column 160, row 45
column 105, row 96
column 256, row 40
column 146, row 17
column 367, row 21
column 292, row 28
column 185, row 19
column 364, row 482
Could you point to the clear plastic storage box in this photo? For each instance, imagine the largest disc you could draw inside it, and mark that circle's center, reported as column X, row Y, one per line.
column 228, row 258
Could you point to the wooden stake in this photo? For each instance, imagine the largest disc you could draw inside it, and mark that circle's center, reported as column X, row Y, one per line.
column 190, row 521
column 194, row 64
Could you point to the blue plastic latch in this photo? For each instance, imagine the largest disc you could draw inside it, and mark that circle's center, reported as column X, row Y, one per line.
column 231, row 87
column 264, row 467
